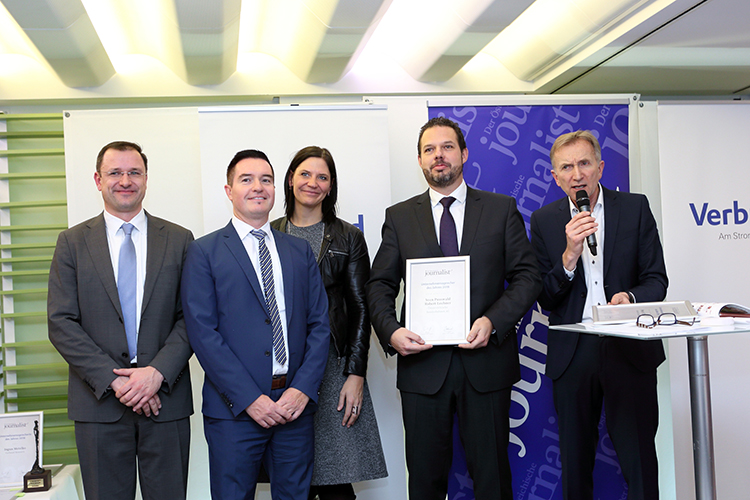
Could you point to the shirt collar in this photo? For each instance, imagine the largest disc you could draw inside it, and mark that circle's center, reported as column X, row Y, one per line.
column 243, row 228
column 599, row 203
column 459, row 194
column 114, row 223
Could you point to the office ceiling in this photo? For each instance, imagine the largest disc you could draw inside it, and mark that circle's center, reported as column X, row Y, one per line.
column 256, row 49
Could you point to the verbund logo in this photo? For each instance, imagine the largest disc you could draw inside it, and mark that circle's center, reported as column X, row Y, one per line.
column 715, row 217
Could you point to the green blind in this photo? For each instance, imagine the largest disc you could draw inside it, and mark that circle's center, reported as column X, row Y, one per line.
column 32, row 213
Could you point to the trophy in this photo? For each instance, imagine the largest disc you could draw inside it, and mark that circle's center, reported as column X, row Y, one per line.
column 38, row 478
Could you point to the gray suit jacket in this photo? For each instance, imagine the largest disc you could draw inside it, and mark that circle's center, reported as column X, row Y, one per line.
column 85, row 319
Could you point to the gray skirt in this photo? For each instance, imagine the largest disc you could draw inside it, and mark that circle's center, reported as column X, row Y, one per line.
column 345, row 455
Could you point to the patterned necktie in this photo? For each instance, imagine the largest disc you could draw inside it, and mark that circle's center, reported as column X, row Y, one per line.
column 269, row 290
column 127, row 273
column 448, row 237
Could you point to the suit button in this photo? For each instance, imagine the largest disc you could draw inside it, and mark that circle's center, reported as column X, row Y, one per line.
column 267, row 353
column 124, row 355
column 583, row 295
column 268, row 321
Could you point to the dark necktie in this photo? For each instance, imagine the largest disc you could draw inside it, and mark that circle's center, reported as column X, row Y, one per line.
column 448, row 237
column 127, row 273
column 269, row 290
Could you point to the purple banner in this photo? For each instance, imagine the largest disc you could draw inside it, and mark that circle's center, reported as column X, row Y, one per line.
column 509, row 154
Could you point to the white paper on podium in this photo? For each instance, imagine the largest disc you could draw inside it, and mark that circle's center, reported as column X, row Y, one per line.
column 630, row 330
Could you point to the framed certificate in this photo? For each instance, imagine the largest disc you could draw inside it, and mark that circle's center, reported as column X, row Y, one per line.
column 437, row 299
column 19, row 446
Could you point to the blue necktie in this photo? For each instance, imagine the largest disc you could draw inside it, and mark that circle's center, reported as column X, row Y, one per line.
column 448, row 236
column 127, row 273
column 269, row 290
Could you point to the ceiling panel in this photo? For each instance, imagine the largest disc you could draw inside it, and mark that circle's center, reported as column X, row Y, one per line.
column 209, row 35
column 62, row 49
column 698, row 48
column 64, row 35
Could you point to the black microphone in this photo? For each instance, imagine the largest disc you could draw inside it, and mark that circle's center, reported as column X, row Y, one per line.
column 584, row 205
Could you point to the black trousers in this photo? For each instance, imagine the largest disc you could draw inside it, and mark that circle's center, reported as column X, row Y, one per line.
column 600, row 375
column 484, row 429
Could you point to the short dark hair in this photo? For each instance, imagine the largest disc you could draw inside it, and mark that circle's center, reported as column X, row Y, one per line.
column 244, row 155
column 120, row 146
column 441, row 121
column 329, row 202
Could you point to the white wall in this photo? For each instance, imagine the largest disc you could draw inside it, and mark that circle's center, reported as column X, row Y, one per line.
column 703, row 159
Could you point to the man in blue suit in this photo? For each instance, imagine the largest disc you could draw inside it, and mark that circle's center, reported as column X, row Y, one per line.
column 589, row 371
column 257, row 317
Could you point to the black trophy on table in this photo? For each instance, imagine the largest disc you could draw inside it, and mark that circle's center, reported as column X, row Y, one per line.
column 38, row 478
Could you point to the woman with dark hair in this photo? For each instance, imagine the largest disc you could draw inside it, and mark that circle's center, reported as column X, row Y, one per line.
column 347, row 441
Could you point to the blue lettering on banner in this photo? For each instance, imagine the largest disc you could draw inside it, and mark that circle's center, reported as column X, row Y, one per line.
column 509, row 154
column 717, row 217
column 360, row 224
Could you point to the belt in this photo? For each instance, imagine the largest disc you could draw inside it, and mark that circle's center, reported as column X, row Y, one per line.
column 278, row 382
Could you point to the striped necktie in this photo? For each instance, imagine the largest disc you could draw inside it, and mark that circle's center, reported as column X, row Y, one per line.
column 269, row 290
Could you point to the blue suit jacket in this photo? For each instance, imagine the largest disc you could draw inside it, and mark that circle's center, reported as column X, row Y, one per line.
column 633, row 262
column 230, row 329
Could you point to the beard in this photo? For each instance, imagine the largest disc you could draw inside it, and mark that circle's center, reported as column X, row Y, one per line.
column 444, row 178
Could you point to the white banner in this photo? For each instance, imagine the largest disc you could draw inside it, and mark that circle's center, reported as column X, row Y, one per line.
column 703, row 158
column 189, row 150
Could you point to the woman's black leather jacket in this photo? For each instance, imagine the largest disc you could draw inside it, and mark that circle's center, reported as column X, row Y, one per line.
column 345, row 268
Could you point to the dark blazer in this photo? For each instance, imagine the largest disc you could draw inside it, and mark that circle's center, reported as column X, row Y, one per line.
column 345, row 268
column 230, row 329
column 495, row 238
column 86, row 327
column 633, row 262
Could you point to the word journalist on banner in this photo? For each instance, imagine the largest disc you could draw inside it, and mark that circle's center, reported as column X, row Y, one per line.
column 509, row 154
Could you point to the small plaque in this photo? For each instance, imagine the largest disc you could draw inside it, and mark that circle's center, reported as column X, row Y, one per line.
column 37, row 482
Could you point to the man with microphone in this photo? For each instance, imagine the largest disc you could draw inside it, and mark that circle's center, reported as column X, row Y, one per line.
column 596, row 247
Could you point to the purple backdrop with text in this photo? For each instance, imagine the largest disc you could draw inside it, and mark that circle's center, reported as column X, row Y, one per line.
column 509, row 154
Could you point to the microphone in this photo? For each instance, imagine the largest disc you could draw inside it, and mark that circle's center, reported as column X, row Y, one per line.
column 584, row 205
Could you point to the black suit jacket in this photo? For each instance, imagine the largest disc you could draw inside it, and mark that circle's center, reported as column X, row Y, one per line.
column 633, row 262
column 85, row 319
column 495, row 238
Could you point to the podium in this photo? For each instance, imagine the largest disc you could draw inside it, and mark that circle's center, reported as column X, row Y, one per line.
column 700, row 388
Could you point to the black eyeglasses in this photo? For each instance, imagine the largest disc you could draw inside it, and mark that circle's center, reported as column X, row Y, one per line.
column 664, row 319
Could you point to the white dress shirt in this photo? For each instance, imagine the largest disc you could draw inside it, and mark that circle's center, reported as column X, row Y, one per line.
column 115, row 235
column 251, row 247
column 593, row 266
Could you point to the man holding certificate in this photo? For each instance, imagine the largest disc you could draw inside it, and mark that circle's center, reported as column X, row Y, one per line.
column 472, row 378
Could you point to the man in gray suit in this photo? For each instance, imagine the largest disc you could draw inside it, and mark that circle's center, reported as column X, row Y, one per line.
column 115, row 315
